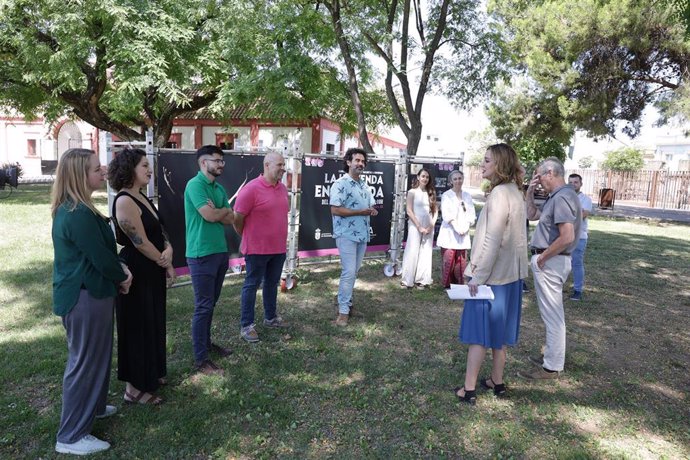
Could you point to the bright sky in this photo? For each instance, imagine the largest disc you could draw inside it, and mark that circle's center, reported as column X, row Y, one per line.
column 441, row 120
column 451, row 126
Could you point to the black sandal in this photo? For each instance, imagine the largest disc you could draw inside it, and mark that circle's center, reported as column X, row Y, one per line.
column 499, row 389
column 470, row 396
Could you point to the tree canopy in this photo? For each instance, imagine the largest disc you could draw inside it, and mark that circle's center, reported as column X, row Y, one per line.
column 585, row 162
column 529, row 120
column 624, row 159
column 443, row 46
column 592, row 64
column 123, row 66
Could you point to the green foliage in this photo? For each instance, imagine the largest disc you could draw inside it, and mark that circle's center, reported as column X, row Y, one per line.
column 519, row 111
column 681, row 12
column 599, row 62
column 532, row 150
column 485, row 185
column 530, row 121
column 624, row 159
column 442, row 46
column 107, row 61
column 475, row 159
column 585, row 162
column 122, row 65
column 477, row 142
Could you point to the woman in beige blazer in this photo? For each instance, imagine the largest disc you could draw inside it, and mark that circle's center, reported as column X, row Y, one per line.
column 498, row 259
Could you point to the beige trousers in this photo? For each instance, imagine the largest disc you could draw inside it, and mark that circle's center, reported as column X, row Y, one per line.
column 548, row 283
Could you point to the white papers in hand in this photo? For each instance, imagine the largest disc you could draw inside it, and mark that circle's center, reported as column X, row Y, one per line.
column 462, row 292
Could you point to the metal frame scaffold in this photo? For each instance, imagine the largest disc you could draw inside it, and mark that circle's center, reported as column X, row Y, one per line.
column 294, row 164
column 106, row 146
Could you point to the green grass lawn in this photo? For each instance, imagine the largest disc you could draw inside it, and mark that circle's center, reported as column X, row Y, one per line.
column 381, row 387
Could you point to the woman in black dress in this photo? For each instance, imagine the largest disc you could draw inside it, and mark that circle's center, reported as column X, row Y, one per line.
column 147, row 252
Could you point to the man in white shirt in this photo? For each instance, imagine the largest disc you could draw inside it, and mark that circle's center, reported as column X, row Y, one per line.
column 578, row 256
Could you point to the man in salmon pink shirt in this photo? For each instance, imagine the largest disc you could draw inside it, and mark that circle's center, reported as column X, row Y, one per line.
column 261, row 218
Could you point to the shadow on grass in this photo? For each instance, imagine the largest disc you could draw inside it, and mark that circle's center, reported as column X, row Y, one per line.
column 29, row 297
column 382, row 386
column 643, row 286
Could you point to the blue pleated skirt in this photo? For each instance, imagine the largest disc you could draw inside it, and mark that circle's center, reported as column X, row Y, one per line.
column 493, row 323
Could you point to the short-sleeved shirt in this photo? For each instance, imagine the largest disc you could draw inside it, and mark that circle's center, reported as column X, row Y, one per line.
column 265, row 208
column 586, row 205
column 203, row 238
column 349, row 193
column 561, row 206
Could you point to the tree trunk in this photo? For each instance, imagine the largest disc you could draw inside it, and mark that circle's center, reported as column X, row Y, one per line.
column 414, row 136
column 334, row 8
column 411, row 121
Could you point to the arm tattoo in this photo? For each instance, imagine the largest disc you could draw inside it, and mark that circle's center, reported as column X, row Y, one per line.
column 166, row 238
column 130, row 231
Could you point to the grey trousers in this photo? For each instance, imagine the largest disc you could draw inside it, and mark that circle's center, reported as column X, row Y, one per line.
column 89, row 327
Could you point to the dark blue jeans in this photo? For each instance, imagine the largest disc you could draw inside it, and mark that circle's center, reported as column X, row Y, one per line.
column 208, row 273
column 266, row 268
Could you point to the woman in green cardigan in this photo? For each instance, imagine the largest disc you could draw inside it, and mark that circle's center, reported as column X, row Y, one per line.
column 87, row 275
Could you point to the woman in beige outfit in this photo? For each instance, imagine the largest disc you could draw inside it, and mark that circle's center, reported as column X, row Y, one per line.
column 498, row 259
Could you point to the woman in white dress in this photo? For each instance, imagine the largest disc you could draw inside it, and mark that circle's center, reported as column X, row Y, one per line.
column 458, row 214
column 422, row 211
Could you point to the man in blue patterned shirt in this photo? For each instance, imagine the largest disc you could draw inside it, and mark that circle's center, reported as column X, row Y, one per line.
column 351, row 206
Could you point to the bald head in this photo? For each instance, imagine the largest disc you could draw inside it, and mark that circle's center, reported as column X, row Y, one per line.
column 274, row 167
column 272, row 157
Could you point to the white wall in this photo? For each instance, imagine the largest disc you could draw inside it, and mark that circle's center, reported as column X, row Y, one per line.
column 330, row 137
column 187, row 136
column 379, row 148
column 670, row 148
column 431, row 144
column 15, row 134
column 208, row 136
column 673, row 154
column 386, row 150
column 285, row 138
column 13, row 145
column 350, row 142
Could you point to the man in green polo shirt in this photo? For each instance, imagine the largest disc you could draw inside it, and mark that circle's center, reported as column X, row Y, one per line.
column 206, row 211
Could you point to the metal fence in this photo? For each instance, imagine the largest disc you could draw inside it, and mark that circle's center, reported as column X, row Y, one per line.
column 655, row 189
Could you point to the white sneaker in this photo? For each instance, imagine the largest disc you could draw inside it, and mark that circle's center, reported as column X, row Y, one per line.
column 109, row 410
column 87, row 445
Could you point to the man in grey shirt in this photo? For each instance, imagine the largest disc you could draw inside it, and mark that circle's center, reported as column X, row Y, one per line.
column 552, row 243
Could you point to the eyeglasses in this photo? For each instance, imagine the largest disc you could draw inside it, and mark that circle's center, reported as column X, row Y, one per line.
column 216, row 160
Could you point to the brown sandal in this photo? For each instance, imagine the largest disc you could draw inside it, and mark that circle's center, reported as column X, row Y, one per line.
column 140, row 398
